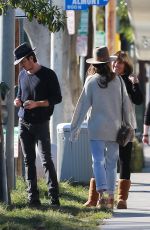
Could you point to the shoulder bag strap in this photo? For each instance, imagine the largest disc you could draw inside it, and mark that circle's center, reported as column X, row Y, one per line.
column 121, row 100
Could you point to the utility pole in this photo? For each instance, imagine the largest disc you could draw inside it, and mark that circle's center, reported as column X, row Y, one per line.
column 7, row 74
column 110, row 26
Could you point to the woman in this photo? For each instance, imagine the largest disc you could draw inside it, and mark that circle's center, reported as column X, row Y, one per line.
column 122, row 66
column 101, row 100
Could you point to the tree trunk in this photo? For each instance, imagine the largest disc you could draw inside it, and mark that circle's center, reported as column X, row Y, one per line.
column 39, row 37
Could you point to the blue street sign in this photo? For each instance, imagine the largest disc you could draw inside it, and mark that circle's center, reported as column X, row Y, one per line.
column 83, row 4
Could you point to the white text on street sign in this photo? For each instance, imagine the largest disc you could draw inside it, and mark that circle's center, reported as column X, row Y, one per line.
column 83, row 4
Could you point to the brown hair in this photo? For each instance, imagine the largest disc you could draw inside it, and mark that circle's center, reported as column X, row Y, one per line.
column 123, row 57
column 102, row 69
column 33, row 55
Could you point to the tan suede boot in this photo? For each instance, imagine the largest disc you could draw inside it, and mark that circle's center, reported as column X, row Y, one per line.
column 93, row 194
column 123, row 190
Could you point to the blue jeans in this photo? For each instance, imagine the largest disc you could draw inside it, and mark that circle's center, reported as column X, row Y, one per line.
column 105, row 156
column 30, row 136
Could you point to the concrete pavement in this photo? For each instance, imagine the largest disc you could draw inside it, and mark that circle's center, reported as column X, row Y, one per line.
column 137, row 216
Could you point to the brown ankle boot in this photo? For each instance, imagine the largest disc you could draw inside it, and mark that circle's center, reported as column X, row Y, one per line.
column 93, row 194
column 123, row 190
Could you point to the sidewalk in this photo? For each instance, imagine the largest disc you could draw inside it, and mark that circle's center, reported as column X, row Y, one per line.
column 137, row 216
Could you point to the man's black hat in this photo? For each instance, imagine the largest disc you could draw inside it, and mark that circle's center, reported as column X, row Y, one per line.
column 21, row 52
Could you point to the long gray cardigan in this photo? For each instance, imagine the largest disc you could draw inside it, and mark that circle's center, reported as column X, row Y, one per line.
column 103, row 107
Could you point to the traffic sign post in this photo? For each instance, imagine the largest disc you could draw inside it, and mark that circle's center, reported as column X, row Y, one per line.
column 83, row 4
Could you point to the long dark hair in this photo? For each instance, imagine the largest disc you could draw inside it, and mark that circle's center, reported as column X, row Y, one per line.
column 103, row 69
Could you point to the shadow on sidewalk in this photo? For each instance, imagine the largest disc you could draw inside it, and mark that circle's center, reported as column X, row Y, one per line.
column 140, row 184
column 132, row 214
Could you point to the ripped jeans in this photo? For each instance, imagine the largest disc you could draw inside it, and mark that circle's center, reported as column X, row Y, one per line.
column 105, row 156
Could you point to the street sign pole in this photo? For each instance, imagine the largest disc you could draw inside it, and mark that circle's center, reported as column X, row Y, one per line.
column 82, row 37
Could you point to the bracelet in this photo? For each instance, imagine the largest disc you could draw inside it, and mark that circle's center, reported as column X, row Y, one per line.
column 145, row 135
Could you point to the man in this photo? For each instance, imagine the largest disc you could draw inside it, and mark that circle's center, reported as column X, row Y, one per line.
column 38, row 92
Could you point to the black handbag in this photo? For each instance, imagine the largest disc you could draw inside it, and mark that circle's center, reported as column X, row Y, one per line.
column 125, row 133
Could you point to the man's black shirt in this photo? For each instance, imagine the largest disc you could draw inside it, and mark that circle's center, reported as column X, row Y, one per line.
column 43, row 85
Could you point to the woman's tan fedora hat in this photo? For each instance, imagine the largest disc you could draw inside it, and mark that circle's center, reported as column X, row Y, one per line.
column 100, row 56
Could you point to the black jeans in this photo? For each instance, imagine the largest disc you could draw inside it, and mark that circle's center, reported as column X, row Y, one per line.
column 125, row 161
column 30, row 136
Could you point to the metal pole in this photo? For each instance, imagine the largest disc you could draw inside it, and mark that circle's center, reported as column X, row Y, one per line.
column 7, row 44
